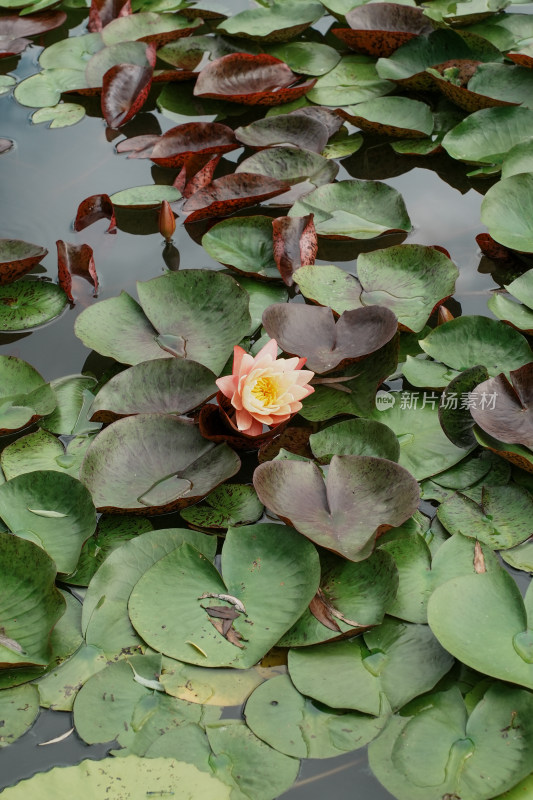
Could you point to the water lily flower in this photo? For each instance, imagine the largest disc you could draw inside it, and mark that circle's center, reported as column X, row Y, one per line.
column 265, row 390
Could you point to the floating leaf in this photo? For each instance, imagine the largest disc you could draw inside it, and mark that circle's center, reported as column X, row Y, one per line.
column 24, row 394
column 307, row 58
column 176, row 145
column 354, row 209
column 18, row 709
column 281, row 21
column 454, row 414
column 313, row 333
column 230, row 193
column 93, row 208
column 250, row 79
column 75, row 259
column 103, row 11
column 228, row 506
column 254, row 559
column 149, row 27
column 60, row 116
column 379, row 29
column 74, row 396
column 28, row 304
column 392, row 116
column 244, row 244
column 145, row 196
column 17, row 258
column 383, row 493
column 43, row 451
column 295, row 244
column 353, row 80
column 291, row 165
column 505, row 212
column 509, row 417
column 355, row 437
column 124, row 92
column 486, row 136
column 297, row 128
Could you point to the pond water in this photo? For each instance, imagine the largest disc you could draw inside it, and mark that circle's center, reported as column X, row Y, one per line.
column 43, row 180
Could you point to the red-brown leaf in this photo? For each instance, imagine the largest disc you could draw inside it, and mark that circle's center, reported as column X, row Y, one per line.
column 93, row 208
column 230, row 193
column 75, row 259
column 124, row 91
column 139, row 146
column 198, row 173
column 379, row 29
column 295, row 244
column 193, row 138
column 15, row 26
column 6, row 145
column 250, row 79
column 103, row 11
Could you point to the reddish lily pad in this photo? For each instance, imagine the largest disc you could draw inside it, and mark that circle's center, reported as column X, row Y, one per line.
column 93, row 208
column 17, row 258
column 312, row 332
column 362, row 497
column 193, row 138
column 378, row 29
column 250, row 79
column 138, row 146
column 14, row 30
column 153, row 464
column 295, row 244
column 299, row 129
column 125, row 89
column 6, row 145
column 196, row 173
column 231, row 193
column 163, row 386
column 148, row 27
column 103, row 11
column 75, row 259
column 508, row 416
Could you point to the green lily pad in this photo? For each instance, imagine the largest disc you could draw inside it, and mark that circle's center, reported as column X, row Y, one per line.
column 254, row 560
column 6, row 84
column 58, row 687
column 383, row 493
column 178, row 466
column 114, row 55
column 354, row 209
column 132, row 778
column 215, row 687
column 307, row 58
column 392, row 116
column 244, row 244
column 229, row 506
column 505, row 212
column 24, row 395
column 111, row 533
column 52, row 510
column 148, row 26
column 352, row 597
column 483, row 621
column 43, row 451
column 463, row 12
column 520, row 557
column 518, row 159
column 447, row 747
column 105, row 621
column 145, row 196
column 74, row 396
column 199, row 314
column 281, row 21
column 423, row 372
column 466, row 342
column 26, row 304
column 18, row 710
column 295, row 725
column 486, row 136
column 457, row 402
column 397, row 662
column 353, row 80
column 30, row 603
column 163, row 386
column 517, row 314
column 355, row 437
column 292, row 165
column 61, row 115
column 71, row 53
column 329, row 285
column 342, row 144
column 45, row 88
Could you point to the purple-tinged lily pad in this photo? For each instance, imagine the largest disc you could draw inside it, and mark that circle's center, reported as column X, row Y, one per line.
column 299, row 129
column 125, row 90
column 93, row 208
column 138, row 146
column 230, row 193
column 163, row 386
column 176, row 145
column 6, row 145
column 250, row 79
column 295, row 244
column 291, row 165
column 103, row 11
column 507, row 410
column 17, row 258
column 361, row 498
column 326, row 344
column 378, row 29
column 153, row 464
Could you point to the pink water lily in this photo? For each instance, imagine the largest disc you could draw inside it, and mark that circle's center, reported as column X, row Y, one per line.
column 265, row 390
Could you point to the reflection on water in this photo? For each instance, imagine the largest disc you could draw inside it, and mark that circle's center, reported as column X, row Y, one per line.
column 44, row 179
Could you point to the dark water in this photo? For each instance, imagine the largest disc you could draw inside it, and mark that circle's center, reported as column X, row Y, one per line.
column 42, row 182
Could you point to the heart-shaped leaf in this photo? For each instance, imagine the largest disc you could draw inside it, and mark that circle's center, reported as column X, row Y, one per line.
column 244, row 244
column 291, row 165
column 230, row 193
column 392, row 116
column 509, row 418
column 505, row 212
column 353, row 80
column 280, row 21
column 380, row 493
column 486, row 136
column 148, row 27
column 27, row 304
column 379, row 29
column 176, row 145
column 17, row 258
column 254, row 559
column 299, row 129
column 229, row 506
column 355, row 437
column 18, row 708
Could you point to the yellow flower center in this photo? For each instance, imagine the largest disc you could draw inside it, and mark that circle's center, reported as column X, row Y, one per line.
column 266, row 391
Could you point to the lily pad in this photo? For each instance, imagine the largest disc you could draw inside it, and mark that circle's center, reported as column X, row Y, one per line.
column 24, row 394
column 519, row 315
column 17, row 258
column 468, row 341
column 486, row 136
column 244, row 244
column 27, row 304
column 125, row 89
column 148, row 27
column 105, row 621
column 313, row 333
column 392, row 116
column 280, row 21
column 354, row 209
column 163, row 386
column 176, row 145
column 254, row 559
column 30, row 603
column 307, row 58
column 291, row 165
column 18, row 710
column 114, row 777
column 509, row 417
column 178, row 466
column 296, row 128
column 397, row 662
column 228, row 506
column 216, row 687
column 74, row 394
column 355, row 437
column 230, row 193
column 60, row 116
column 505, row 212
column 250, row 79
column 295, row 244
column 378, row 29
column 353, row 80
column 43, row 451
column 200, row 315
column 51, row 509
column 383, row 493
column 145, row 196
column 483, row 621
column 295, row 725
